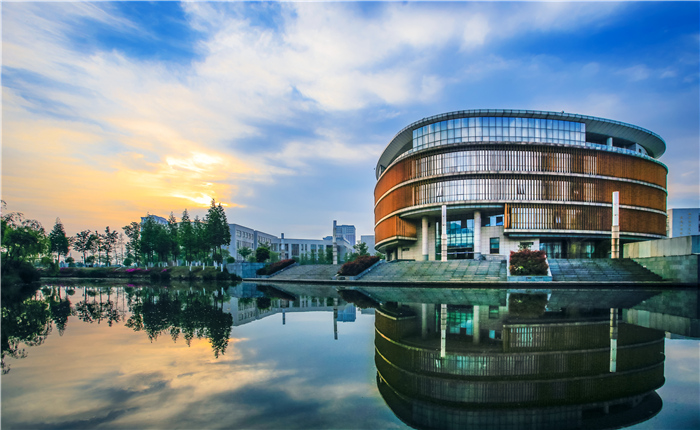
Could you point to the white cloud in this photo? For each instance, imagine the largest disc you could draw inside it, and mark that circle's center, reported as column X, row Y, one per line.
column 317, row 64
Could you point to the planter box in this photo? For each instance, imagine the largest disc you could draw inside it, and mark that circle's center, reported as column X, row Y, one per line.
column 529, row 278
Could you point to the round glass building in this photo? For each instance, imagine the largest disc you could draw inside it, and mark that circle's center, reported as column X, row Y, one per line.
column 507, row 178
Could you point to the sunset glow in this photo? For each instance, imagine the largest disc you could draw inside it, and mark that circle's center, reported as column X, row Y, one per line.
column 280, row 110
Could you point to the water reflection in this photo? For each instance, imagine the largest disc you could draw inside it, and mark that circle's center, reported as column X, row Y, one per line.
column 261, row 354
column 512, row 359
column 190, row 313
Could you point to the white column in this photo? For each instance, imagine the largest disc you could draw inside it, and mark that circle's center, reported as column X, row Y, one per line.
column 335, row 245
column 424, row 236
column 443, row 330
column 610, row 142
column 443, row 236
column 475, row 326
column 613, row 340
column 477, row 235
column 615, row 242
column 335, row 314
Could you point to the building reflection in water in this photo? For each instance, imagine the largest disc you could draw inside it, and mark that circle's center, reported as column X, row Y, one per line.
column 516, row 364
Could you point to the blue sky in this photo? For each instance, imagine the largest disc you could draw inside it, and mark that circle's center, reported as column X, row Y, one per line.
column 280, row 110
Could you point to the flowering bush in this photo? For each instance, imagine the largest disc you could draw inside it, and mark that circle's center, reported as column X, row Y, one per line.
column 354, row 268
column 528, row 263
column 275, row 267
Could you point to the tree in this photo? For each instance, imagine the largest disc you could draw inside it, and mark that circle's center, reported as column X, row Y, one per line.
column 361, row 249
column 245, row 252
column 109, row 240
column 133, row 246
column 173, row 241
column 186, row 236
column 262, row 254
column 329, row 255
column 218, row 233
column 83, row 242
column 58, row 242
column 22, row 239
column 201, row 245
column 97, row 246
column 155, row 241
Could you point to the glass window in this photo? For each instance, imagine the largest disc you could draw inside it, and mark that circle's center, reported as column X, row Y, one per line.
column 494, row 245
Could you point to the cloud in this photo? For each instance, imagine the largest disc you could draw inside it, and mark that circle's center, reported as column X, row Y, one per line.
column 268, row 91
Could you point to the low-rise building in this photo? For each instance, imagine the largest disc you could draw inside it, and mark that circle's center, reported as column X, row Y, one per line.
column 246, row 237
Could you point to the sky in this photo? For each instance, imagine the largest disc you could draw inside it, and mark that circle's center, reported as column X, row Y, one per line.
column 279, row 111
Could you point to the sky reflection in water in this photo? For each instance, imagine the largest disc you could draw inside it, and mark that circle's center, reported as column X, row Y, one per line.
column 271, row 375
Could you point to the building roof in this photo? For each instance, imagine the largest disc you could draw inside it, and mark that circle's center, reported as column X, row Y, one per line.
column 652, row 142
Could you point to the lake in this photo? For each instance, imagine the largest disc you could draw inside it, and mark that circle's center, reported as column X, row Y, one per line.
column 302, row 356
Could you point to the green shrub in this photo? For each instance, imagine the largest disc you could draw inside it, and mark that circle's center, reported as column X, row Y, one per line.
column 354, row 268
column 528, row 263
column 164, row 275
column 527, row 305
column 154, row 276
column 263, row 303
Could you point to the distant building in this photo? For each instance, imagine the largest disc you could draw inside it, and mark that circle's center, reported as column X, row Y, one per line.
column 347, row 232
column 369, row 240
column 156, row 218
column 683, row 222
column 246, row 237
column 296, row 248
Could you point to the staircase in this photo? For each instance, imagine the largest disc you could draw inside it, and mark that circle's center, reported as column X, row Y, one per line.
column 600, row 270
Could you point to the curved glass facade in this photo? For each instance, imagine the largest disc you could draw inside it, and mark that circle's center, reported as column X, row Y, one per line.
column 498, row 164
column 499, row 129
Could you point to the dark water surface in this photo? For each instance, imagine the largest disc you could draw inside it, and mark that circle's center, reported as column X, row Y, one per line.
column 247, row 356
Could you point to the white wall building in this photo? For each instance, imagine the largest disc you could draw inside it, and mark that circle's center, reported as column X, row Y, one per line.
column 242, row 236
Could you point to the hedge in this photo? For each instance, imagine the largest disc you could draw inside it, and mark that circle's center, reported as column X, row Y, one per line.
column 275, row 267
column 354, row 268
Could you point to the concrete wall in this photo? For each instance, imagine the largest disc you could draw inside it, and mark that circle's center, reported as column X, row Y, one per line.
column 678, row 268
column 244, row 270
column 685, row 245
column 415, row 251
column 506, row 244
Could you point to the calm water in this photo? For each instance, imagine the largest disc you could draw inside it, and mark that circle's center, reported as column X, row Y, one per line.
column 249, row 356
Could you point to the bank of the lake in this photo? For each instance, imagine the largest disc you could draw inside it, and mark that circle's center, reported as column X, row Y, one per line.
column 152, row 274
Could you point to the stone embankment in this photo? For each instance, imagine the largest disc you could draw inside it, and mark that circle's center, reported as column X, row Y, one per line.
column 604, row 272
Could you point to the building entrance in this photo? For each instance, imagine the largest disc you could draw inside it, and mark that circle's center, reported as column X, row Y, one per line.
column 460, row 239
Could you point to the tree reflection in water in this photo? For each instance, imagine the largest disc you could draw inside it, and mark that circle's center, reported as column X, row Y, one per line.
column 28, row 317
